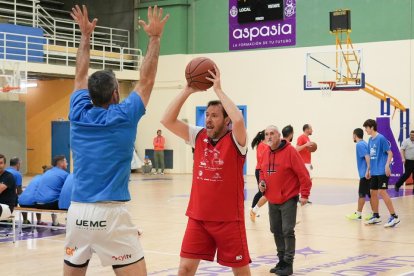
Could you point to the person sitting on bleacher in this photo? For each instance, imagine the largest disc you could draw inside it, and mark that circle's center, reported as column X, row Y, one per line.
column 27, row 198
column 14, row 169
column 51, row 183
column 66, row 193
column 7, row 190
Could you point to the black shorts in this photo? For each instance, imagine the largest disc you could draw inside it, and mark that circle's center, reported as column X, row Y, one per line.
column 364, row 187
column 379, row 182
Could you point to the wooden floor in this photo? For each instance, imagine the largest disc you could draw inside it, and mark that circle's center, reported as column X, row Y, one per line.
column 327, row 243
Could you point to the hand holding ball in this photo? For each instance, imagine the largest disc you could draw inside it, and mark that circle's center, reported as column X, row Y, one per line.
column 312, row 147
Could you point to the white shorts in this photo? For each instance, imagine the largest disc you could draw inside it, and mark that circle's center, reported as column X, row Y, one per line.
column 6, row 213
column 309, row 167
column 102, row 228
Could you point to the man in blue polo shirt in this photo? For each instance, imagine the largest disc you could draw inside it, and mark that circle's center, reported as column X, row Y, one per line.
column 51, row 183
column 102, row 137
column 14, row 169
column 66, row 193
column 380, row 158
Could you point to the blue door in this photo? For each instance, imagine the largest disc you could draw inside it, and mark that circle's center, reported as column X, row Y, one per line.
column 61, row 140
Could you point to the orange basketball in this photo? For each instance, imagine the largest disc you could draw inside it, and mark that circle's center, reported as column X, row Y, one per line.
column 197, row 71
column 312, row 147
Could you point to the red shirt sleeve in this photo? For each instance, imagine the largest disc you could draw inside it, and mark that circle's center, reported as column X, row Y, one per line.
column 302, row 173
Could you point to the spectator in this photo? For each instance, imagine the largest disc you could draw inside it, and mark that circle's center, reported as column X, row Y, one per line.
column 51, row 183
column 14, row 169
column 159, row 144
column 7, row 190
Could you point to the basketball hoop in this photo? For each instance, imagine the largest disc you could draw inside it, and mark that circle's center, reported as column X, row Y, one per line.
column 6, row 89
column 326, row 87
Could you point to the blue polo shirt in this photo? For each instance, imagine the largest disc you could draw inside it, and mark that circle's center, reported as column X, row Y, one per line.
column 27, row 198
column 378, row 148
column 361, row 152
column 16, row 174
column 50, row 185
column 66, row 193
column 102, row 141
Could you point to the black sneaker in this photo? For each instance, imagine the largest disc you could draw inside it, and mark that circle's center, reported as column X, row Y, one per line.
column 286, row 269
column 278, row 266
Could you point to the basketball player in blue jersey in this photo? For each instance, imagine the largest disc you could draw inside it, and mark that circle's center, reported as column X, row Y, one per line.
column 102, row 137
column 380, row 156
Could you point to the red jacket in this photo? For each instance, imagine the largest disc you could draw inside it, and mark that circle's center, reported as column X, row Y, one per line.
column 284, row 173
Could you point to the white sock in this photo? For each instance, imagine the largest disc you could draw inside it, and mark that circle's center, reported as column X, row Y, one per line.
column 358, row 213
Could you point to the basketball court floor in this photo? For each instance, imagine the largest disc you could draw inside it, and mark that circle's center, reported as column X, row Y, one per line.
column 327, row 242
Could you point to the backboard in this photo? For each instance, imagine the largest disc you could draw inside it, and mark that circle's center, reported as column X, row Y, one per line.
column 343, row 67
column 13, row 76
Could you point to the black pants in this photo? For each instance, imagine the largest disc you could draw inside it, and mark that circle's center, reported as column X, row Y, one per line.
column 48, row 206
column 259, row 194
column 282, row 224
column 408, row 170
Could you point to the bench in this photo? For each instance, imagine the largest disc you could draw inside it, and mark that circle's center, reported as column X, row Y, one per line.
column 17, row 214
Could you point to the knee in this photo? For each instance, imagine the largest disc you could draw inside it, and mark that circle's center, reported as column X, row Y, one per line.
column 288, row 232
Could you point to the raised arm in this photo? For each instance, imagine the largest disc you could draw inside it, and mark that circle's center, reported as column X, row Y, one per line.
column 83, row 55
column 148, row 70
column 169, row 119
column 236, row 117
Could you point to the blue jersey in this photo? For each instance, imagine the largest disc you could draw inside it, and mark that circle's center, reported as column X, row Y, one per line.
column 378, row 148
column 66, row 193
column 102, row 141
column 17, row 176
column 50, row 185
column 27, row 198
column 361, row 152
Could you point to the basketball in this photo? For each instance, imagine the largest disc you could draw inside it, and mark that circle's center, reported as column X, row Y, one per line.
column 313, row 147
column 197, row 71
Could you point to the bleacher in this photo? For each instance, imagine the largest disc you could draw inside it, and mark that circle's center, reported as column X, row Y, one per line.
column 110, row 47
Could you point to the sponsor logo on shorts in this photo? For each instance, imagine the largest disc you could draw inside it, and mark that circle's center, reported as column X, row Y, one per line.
column 239, row 258
column 384, row 185
column 70, row 251
column 122, row 258
column 91, row 224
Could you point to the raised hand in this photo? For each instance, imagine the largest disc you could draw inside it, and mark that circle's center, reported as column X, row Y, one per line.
column 215, row 78
column 81, row 17
column 156, row 23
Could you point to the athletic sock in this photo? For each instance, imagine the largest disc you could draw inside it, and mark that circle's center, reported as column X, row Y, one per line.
column 376, row 215
column 394, row 215
column 358, row 213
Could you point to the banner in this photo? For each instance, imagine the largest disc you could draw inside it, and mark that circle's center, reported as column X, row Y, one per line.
column 261, row 24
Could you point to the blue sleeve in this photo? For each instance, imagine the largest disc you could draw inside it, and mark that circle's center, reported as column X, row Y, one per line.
column 133, row 107
column 362, row 150
column 79, row 101
column 19, row 180
column 385, row 144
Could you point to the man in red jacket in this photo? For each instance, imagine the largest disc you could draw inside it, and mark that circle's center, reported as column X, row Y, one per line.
column 283, row 176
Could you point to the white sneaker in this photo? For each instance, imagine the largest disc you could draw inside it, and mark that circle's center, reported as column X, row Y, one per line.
column 392, row 221
column 373, row 220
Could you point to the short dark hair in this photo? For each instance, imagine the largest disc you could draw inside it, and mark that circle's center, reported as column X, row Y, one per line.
column 412, row 131
column 56, row 159
column 3, row 157
column 46, row 168
column 359, row 133
column 370, row 123
column 216, row 102
column 287, row 130
column 101, row 85
column 305, row 127
column 14, row 161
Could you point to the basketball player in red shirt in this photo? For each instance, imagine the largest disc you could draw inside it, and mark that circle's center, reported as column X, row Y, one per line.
column 302, row 145
column 216, row 209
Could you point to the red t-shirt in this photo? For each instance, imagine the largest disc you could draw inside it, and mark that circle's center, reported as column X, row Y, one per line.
column 261, row 147
column 305, row 153
column 217, row 192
